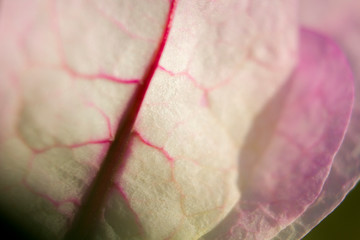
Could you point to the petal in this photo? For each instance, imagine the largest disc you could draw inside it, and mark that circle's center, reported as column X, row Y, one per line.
column 68, row 71
column 290, row 150
column 66, row 74
column 221, row 65
column 340, row 20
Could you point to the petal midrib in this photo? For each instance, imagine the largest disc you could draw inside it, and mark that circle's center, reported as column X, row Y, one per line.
column 90, row 210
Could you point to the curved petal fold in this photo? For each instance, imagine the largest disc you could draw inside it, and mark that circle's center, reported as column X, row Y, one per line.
column 289, row 152
column 340, row 20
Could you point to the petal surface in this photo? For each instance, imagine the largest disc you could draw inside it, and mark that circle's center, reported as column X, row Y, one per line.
column 69, row 70
column 289, row 153
column 221, row 65
column 341, row 21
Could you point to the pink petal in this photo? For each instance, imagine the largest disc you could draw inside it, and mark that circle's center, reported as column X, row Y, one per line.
column 290, row 151
column 340, row 20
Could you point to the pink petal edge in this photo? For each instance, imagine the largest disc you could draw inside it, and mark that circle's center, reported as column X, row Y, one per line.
column 340, row 20
column 301, row 130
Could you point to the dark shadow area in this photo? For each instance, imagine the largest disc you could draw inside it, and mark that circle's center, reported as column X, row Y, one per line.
column 12, row 229
column 260, row 135
column 343, row 223
column 255, row 146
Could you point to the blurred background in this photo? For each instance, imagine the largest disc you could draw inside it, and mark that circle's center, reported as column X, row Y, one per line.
column 343, row 223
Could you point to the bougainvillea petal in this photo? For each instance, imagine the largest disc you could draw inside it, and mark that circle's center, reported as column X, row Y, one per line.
column 340, row 20
column 68, row 70
column 289, row 153
column 184, row 167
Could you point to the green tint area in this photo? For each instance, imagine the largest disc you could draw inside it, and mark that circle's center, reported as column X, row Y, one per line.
column 343, row 223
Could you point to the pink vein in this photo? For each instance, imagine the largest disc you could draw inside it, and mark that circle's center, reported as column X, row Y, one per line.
column 161, row 149
column 205, row 90
column 66, row 66
column 90, row 211
column 105, row 116
column 121, row 26
column 99, row 75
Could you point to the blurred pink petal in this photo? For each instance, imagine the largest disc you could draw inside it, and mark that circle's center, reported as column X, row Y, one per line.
column 289, row 153
column 339, row 19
